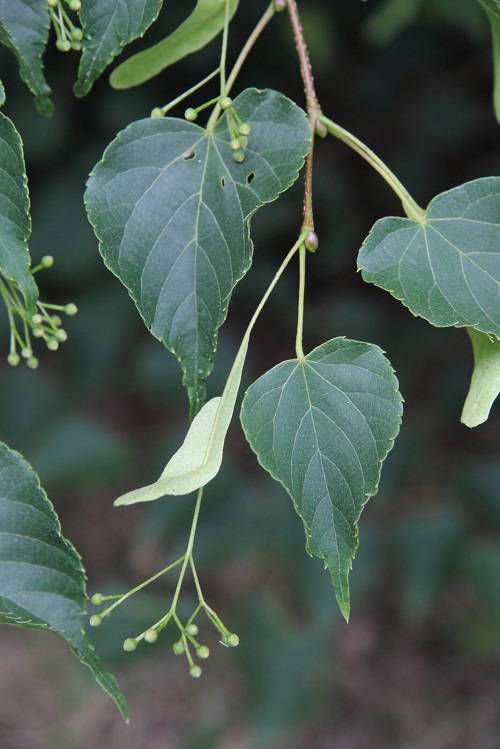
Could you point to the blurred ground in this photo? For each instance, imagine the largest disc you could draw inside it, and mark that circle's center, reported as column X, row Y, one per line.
column 418, row 665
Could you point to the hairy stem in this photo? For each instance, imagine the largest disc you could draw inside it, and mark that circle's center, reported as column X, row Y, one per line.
column 313, row 108
column 411, row 208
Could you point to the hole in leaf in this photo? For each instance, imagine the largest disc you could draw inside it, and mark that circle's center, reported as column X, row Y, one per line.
column 250, row 178
column 222, row 182
column 189, row 155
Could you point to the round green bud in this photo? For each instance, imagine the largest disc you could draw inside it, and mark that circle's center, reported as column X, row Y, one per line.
column 47, row 261
column 192, row 629
column 71, row 309
column 95, row 620
column 76, row 45
column 279, row 5
column 243, row 141
column 61, row 335
column 52, row 3
column 130, row 644
column 38, row 331
column 32, row 362
column 55, row 320
column 312, row 241
column 195, row 672
column 178, row 648
column 244, row 128
column 203, row 652
column 13, row 359
column 36, row 319
column 63, row 45
column 75, row 4
column 26, row 352
column 52, row 344
column 77, row 35
column 157, row 112
column 231, row 640
column 234, row 143
column 238, row 156
column 151, row 635
column 190, row 114
column 97, row 599
column 226, row 102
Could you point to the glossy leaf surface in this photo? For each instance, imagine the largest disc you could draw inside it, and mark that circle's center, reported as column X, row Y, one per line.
column 322, row 427
column 15, row 222
column 24, row 29
column 42, row 581
column 447, row 269
column 485, row 382
column 199, row 28
column 108, row 25
column 171, row 209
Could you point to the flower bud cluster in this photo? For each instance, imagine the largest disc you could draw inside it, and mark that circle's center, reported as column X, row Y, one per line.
column 25, row 324
column 69, row 36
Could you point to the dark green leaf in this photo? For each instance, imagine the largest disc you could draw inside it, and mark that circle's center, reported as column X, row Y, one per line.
column 108, row 25
column 24, row 29
column 15, row 222
column 42, row 581
column 203, row 25
column 446, row 269
column 322, row 427
column 171, row 209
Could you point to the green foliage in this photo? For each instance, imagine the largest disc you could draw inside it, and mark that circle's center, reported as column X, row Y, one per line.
column 108, row 26
column 24, row 29
column 171, row 204
column 322, row 426
column 181, row 182
column 42, row 585
column 202, row 25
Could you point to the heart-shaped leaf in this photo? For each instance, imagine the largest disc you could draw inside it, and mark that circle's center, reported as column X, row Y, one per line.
column 447, row 268
column 15, row 222
column 322, row 426
column 485, row 382
column 42, row 581
column 171, row 209
column 199, row 28
column 108, row 25
column 24, row 29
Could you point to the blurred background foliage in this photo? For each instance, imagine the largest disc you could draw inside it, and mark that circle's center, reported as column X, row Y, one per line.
column 417, row 666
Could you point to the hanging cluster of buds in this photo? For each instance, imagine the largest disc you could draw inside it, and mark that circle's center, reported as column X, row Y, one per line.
column 69, row 36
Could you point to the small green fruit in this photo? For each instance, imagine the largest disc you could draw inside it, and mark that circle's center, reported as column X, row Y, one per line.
column 238, row 156
column 190, row 114
column 130, row 644
column 195, row 672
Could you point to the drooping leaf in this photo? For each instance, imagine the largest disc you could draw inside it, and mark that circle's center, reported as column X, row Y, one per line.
column 446, row 269
column 322, row 426
column 24, row 29
column 42, row 581
column 485, row 382
column 108, row 25
column 199, row 458
column 492, row 10
column 15, row 222
column 171, row 209
column 201, row 26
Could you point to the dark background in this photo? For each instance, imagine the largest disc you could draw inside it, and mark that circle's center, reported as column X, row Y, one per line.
column 417, row 666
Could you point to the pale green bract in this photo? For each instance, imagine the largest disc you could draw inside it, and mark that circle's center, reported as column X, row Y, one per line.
column 24, row 29
column 492, row 10
column 108, row 25
column 485, row 382
column 171, row 209
column 15, row 222
column 200, row 27
column 199, row 459
column 42, row 581
column 447, row 268
column 322, row 426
